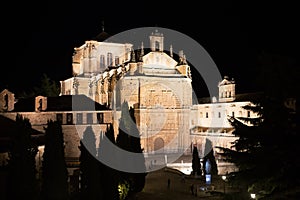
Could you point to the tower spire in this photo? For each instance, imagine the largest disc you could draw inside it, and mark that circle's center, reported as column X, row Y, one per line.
column 102, row 25
column 132, row 55
column 171, row 51
column 142, row 49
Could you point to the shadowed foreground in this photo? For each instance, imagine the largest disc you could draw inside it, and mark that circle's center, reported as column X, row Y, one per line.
column 157, row 187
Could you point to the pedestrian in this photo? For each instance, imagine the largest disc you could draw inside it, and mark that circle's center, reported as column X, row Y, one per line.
column 192, row 189
column 183, row 178
column 169, row 183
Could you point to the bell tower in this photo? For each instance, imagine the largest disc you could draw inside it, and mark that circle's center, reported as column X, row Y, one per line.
column 156, row 41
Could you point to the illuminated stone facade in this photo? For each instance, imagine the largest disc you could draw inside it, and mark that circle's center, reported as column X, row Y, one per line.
column 156, row 84
column 159, row 88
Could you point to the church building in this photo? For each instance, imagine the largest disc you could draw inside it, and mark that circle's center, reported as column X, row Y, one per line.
column 158, row 85
column 155, row 82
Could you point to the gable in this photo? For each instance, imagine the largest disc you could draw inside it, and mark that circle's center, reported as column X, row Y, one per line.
column 225, row 82
column 159, row 60
column 5, row 91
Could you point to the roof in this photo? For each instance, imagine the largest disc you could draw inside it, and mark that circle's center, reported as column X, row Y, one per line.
column 101, row 37
column 73, row 103
column 255, row 96
column 61, row 103
column 25, row 105
column 6, row 91
column 106, row 37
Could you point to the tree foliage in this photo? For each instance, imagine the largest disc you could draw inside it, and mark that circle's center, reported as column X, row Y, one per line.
column 266, row 151
column 46, row 87
column 109, row 176
column 21, row 163
column 89, row 166
column 131, row 142
column 54, row 170
column 196, row 165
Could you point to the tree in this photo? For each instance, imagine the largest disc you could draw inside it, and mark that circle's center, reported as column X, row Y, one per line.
column 131, row 142
column 265, row 151
column 46, row 87
column 21, row 163
column 89, row 166
column 196, row 166
column 54, row 170
column 109, row 177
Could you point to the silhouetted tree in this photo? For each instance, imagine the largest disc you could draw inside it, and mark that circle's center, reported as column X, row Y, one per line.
column 196, row 165
column 109, row 177
column 21, row 163
column 265, row 151
column 123, row 139
column 46, row 87
column 209, row 155
column 131, row 142
column 54, row 170
column 89, row 166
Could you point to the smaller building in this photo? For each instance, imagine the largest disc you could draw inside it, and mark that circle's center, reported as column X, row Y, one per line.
column 210, row 127
column 75, row 112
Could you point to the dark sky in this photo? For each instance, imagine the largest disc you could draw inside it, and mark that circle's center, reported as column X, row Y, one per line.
column 39, row 37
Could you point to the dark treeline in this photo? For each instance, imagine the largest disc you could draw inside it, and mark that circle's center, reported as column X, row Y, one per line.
column 266, row 152
column 22, row 181
column 101, row 181
column 21, row 165
column 97, row 180
column 46, row 87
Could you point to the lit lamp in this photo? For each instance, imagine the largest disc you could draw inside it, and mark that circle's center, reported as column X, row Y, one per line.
column 253, row 196
column 224, row 178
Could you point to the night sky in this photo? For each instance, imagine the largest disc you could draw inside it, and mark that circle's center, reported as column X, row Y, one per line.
column 40, row 37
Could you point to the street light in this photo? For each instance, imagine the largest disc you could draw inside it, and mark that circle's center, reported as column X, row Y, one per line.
column 224, row 179
column 253, row 196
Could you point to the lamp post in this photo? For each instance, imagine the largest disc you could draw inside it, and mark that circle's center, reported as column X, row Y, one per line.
column 224, row 179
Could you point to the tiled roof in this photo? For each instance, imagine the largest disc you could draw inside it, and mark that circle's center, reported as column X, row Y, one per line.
column 61, row 103
column 238, row 98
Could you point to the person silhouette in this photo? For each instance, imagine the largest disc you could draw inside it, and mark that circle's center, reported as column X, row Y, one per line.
column 192, row 189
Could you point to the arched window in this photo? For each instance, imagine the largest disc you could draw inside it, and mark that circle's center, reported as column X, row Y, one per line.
column 240, row 113
column 40, row 105
column 109, row 59
column 117, row 60
column 102, row 61
column 6, row 101
column 157, row 46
